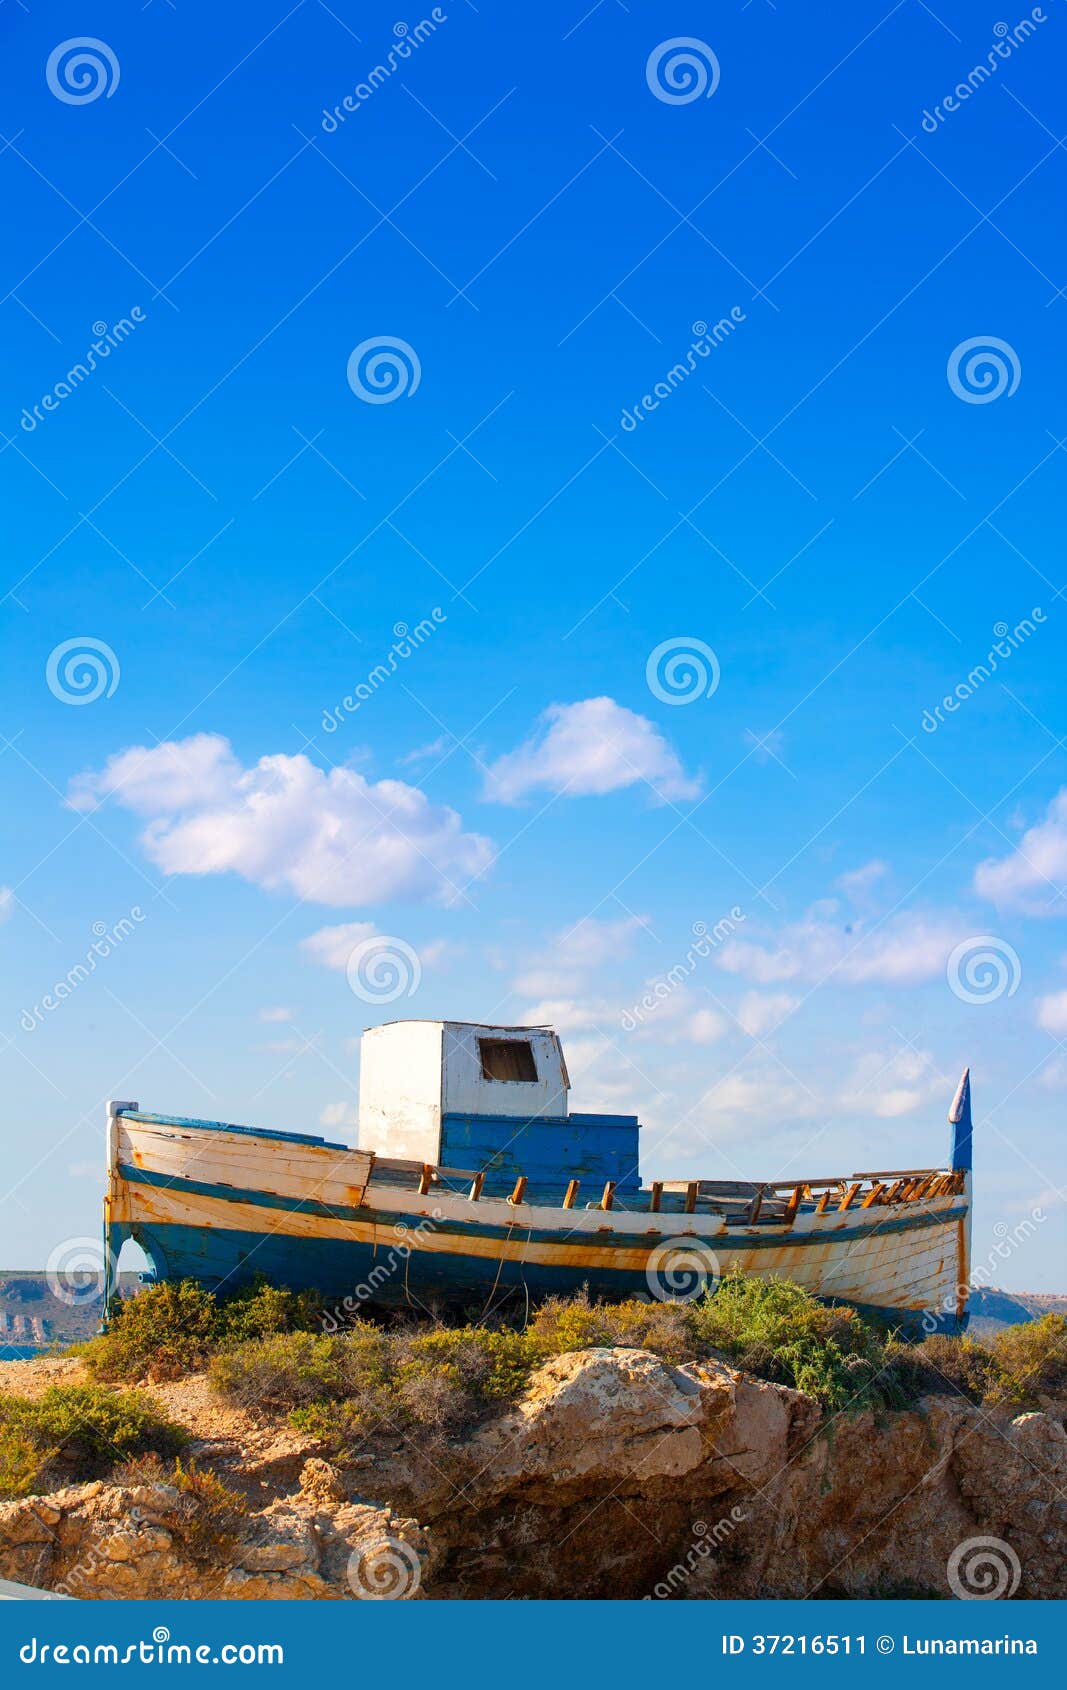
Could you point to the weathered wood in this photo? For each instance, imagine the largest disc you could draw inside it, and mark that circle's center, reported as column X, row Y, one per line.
column 846, row 1201
column 793, row 1205
column 608, row 1195
column 425, row 1179
column 571, row 1196
column 519, row 1190
column 691, row 1196
column 476, row 1187
column 873, row 1195
column 656, row 1197
column 755, row 1206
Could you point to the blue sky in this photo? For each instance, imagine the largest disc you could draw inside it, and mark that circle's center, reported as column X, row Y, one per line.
column 827, row 500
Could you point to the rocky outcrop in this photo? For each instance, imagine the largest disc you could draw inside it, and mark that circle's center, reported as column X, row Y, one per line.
column 617, row 1475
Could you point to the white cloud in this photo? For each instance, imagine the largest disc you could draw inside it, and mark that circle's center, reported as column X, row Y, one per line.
column 857, row 883
column 339, row 1115
column 7, row 902
column 331, row 837
column 901, row 952
column 279, row 1014
column 568, row 1015
column 1029, row 877
column 332, row 946
column 1052, row 1013
column 762, row 1012
column 576, row 953
column 591, row 747
column 762, row 1098
column 890, row 1086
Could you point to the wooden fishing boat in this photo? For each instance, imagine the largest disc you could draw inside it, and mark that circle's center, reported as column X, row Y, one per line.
column 472, row 1181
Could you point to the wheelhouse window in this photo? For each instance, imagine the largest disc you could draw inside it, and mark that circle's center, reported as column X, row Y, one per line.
column 507, row 1059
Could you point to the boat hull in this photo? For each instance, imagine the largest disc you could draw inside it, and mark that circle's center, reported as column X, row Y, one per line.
column 223, row 1207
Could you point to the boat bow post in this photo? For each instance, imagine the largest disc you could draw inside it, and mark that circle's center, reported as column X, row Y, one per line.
column 112, row 1231
column 962, row 1129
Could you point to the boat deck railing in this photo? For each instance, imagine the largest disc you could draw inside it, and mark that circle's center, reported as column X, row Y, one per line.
column 747, row 1203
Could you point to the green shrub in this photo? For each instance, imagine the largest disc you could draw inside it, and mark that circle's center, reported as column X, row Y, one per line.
column 943, row 1366
column 261, row 1309
column 774, row 1328
column 1030, row 1361
column 210, row 1513
column 285, row 1370
column 165, row 1330
column 85, row 1429
column 562, row 1324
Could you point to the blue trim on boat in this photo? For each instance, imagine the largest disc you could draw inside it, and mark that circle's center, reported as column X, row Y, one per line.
column 228, row 1127
column 606, row 1237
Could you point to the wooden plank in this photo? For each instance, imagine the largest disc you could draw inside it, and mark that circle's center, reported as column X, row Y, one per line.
column 656, row 1197
column 691, row 1196
column 755, row 1206
column 425, row 1179
column 873, row 1195
column 476, row 1187
column 519, row 1191
column 846, row 1201
column 608, row 1195
column 571, row 1196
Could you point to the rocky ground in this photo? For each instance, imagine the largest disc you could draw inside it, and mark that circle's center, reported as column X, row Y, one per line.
column 617, row 1475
